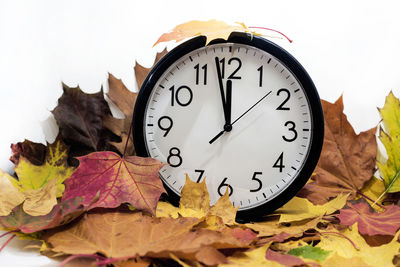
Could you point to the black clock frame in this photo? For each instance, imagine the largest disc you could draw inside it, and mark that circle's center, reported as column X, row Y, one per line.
column 317, row 132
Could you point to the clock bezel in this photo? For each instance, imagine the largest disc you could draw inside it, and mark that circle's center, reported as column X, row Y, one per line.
column 317, row 131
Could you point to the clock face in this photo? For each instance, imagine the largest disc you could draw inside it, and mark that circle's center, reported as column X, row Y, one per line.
column 256, row 150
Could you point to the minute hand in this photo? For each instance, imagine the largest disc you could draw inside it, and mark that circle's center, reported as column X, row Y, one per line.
column 244, row 113
column 251, row 108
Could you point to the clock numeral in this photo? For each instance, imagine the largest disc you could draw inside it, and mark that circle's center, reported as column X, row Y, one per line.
column 257, row 180
column 204, row 68
column 292, row 128
column 287, row 92
column 179, row 95
column 166, row 128
column 222, row 186
column 279, row 163
column 232, row 76
column 174, row 158
column 260, row 69
column 200, row 176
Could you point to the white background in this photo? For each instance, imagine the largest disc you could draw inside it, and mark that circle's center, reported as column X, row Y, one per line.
column 348, row 47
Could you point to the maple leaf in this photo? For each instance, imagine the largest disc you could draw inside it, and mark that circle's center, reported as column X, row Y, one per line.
column 298, row 209
column 390, row 138
column 10, row 197
column 116, row 180
column 34, row 152
column 63, row 213
column 55, row 167
column 141, row 72
column 111, row 234
column 80, row 118
column 375, row 256
column 212, row 29
column 369, row 221
column 347, row 160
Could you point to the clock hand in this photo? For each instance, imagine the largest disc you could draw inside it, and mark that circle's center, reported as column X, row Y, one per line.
column 229, row 126
column 251, row 107
column 221, row 88
column 228, row 102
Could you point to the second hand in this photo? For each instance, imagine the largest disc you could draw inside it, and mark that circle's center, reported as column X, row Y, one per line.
column 227, row 126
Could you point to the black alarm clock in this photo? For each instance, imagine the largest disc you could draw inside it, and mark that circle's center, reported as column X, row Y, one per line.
column 241, row 113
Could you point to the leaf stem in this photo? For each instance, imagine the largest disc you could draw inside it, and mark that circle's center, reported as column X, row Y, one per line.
column 269, row 29
column 342, row 235
column 387, row 189
column 9, row 232
column 370, row 199
column 91, row 256
column 7, row 242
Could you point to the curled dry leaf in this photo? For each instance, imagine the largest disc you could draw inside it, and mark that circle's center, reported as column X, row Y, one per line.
column 390, row 138
column 347, row 160
column 369, row 221
column 116, row 180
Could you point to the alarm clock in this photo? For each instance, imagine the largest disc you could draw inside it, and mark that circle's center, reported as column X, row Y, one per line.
column 241, row 114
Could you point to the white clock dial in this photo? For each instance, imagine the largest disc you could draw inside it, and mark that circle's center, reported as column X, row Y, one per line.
column 265, row 149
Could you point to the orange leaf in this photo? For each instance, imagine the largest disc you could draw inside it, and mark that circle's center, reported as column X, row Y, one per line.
column 212, row 29
column 347, row 160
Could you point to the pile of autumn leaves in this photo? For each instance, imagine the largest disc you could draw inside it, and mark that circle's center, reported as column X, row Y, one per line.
column 107, row 207
column 87, row 196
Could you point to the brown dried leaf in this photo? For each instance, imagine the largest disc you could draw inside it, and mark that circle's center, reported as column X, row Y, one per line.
column 141, row 72
column 347, row 160
column 34, row 152
column 118, row 234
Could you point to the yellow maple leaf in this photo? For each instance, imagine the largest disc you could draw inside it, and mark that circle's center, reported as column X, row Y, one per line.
column 33, row 177
column 375, row 256
column 298, row 209
column 212, row 29
column 390, row 138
